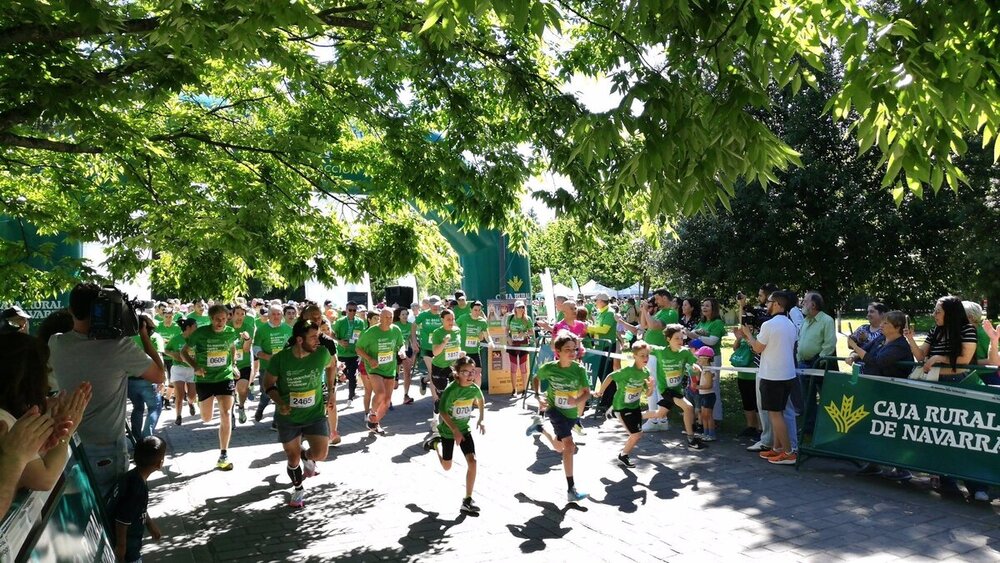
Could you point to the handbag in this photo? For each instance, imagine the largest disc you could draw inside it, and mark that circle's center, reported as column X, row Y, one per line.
column 743, row 356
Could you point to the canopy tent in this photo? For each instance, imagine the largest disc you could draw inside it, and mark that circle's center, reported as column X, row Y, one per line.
column 592, row 288
column 561, row 289
column 631, row 291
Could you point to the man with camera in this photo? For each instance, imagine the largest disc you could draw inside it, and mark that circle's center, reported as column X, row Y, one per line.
column 99, row 350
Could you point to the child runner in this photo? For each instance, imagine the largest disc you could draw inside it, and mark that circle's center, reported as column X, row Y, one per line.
column 475, row 329
column 568, row 387
column 632, row 384
column 294, row 381
column 706, row 392
column 446, row 344
column 130, row 498
column 457, row 402
column 671, row 363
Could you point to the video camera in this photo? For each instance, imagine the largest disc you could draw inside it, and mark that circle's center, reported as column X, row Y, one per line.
column 113, row 315
column 754, row 318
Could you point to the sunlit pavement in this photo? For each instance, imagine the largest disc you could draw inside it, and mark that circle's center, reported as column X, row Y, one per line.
column 383, row 498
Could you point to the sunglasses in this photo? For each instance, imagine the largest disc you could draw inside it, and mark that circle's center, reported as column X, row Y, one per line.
column 352, row 310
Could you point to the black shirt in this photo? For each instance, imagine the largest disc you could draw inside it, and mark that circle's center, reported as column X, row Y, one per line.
column 882, row 359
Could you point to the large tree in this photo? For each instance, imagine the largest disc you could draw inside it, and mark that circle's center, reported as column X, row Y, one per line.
column 225, row 135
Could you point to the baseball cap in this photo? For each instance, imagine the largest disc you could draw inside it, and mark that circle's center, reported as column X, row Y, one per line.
column 15, row 311
column 519, row 303
column 602, row 297
column 434, row 300
column 705, row 352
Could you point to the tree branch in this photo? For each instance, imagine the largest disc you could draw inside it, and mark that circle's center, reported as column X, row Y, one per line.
column 12, row 140
column 41, row 33
column 725, row 32
column 209, row 141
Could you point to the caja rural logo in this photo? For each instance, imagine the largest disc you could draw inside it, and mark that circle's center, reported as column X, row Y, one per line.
column 845, row 416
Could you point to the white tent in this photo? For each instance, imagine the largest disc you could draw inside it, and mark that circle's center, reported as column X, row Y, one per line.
column 631, row 291
column 561, row 289
column 592, row 288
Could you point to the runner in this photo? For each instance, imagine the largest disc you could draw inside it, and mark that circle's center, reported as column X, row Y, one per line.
column 290, row 314
column 347, row 329
column 446, row 345
column 426, row 323
column 568, row 387
column 457, row 402
column 246, row 330
column 400, row 318
column 520, row 333
column 198, row 314
column 270, row 338
column 210, row 351
column 371, row 319
column 313, row 313
column 183, row 375
column 380, row 347
column 656, row 315
column 475, row 329
column 632, row 384
column 294, row 381
column 168, row 329
column 671, row 363
column 462, row 309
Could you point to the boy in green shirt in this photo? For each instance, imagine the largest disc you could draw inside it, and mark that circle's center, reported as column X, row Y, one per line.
column 475, row 329
column 632, row 384
column 671, row 364
column 457, row 402
column 569, row 387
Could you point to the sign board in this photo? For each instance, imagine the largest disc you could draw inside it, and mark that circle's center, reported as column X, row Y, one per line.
column 498, row 311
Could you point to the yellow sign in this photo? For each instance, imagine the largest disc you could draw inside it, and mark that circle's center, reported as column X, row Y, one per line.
column 515, row 283
column 844, row 418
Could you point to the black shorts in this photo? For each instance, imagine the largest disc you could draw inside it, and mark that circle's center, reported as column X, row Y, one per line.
column 468, row 446
column 245, row 373
column 427, row 353
column 475, row 358
column 217, row 389
column 518, row 357
column 632, row 418
column 748, row 393
column 440, row 377
column 288, row 431
column 707, row 400
column 774, row 394
column 562, row 426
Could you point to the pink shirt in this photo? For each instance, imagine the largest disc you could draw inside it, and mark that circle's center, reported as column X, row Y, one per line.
column 578, row 328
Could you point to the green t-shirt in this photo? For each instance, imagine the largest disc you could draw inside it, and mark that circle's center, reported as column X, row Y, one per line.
column 213, row 351
column 167, row 333
column 631, row 382
column 452, row 351
column 472, row 330
column 520, row 330
column 715, row 328
column 383, row 346
column 458, row 402
column 200, row 320
column 271, row 340
column 670, row 367
column 666, row 316
column 462, row 312
column 351, row 331
column 300, row 384
column 243, row 360
column 406, row 328
column 175, row 344
column 982, row 344
column 606, row 318
column 155, row 339
column 427, row 323
column 565, row 385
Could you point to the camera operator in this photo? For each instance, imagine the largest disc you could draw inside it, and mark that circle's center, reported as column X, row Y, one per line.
column 106, row 364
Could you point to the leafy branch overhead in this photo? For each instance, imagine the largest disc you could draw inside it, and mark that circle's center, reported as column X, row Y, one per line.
column 251, row 134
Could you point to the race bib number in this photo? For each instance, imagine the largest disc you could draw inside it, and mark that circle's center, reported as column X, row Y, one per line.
column 674, row 380
column 461, row 409
column 452, row 354
column 302, row 400
column 217, row 359
column 565, row 399
column 472, row 342
column 632, row 394
column 384, row 358
column 239, row 355
column 355, row 336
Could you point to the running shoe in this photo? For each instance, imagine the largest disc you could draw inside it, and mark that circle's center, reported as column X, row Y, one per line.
column 469, row 507
column 334, row 438
column 708, row 438
column 625, row 460
column 407, row 400
column 243, row 415
column 578, row 428
column 768, row 454
column 758, row 446
column 298, row 498
column 191, row 409
column 166, row 404
column 178, row 421
column 423, row 386
column 784, row 458
column 258, row 415
column 535, row 428
column 431, row 443
column 897, row 474
column 224, row 464
column 573, row 496
column 649, row 426
column 309, row 469
column 695, row 443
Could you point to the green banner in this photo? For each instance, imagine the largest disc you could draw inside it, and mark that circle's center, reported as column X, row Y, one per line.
column 913, row 424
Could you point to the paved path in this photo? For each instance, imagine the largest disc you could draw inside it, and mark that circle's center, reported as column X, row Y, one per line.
column 385, row 499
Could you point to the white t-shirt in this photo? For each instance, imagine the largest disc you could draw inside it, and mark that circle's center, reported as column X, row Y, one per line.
column 797, row 318
column 777, row 361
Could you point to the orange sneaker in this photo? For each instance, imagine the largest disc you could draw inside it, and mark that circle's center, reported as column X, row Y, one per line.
column 785, row 458
column 768, row 454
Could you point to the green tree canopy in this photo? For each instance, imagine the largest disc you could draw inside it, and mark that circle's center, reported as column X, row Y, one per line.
column 212, row 133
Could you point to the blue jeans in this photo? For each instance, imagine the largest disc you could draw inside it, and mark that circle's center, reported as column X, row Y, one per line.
column 767, row 435
column 144, row 399
column 108, row 463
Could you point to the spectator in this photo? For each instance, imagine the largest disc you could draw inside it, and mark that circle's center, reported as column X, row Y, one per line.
column 882, row 355
column 19, row 446
column 24, row 388
column 631, row 312
column 605, row 329
column 951, row 342
column 128, row 503
column 688, row 315
column 974, row 312
column 106, row 364
column 993, row 335
column 710, row 330
column 14, row 319
column 865, row 334
column 817, row 338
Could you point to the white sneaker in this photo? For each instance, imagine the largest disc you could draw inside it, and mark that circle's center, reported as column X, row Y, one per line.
column 663, row 426
column 309, row 469
column 982, row 496
column 649, row 426
column 298, row 499
column 757, row 446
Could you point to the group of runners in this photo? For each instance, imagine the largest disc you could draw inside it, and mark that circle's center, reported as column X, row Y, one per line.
column 299, row 354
